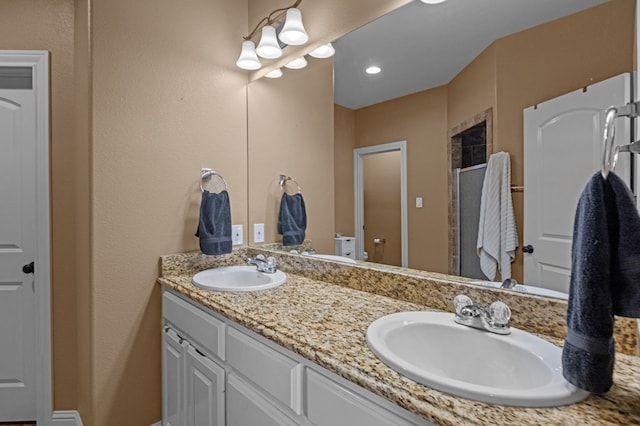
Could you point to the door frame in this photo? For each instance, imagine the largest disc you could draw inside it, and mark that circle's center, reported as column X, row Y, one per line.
column 39, row 61
column 358, row 171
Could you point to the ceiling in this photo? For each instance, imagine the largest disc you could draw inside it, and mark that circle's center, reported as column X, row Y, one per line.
column 421, row 46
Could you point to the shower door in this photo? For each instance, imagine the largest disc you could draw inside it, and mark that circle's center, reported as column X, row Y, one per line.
column 469, row 190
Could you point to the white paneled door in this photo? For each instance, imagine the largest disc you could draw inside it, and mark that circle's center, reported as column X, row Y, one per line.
column 562, row 150
column 18, row 242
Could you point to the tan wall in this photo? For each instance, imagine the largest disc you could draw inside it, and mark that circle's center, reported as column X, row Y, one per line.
column 48, row 25
column 344, row 143
column 382, row 218
column 291, row 133
column 420, row 119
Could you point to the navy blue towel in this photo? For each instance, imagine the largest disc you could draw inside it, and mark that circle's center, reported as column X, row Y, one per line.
column 292, row 219
column 214, row 226
column 605, row 280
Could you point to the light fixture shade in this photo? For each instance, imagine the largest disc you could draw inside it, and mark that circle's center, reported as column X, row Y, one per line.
column 248, row 59
column 293, row 32
column 277, row 73
column 268, row 46
column 297, row 63
column 433, row 1
column 324, row 51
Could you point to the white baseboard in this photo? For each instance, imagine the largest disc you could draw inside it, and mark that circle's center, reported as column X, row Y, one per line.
column 66, row 418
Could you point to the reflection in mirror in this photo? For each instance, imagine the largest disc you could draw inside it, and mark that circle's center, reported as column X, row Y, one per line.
column 510, row 72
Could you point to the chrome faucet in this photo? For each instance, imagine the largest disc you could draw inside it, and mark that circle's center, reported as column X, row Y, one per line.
column 267, row 265
column 494, row 319
column 509, row 283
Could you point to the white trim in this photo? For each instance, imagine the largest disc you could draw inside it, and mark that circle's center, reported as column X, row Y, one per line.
column 635, row 84
column 66, row 418
column 359, row 153
column 39, row 61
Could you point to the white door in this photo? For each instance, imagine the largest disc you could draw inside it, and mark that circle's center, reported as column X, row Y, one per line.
column 17, row 244
column 562, row 150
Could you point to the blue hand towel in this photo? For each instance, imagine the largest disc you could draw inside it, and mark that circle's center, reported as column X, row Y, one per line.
column 605, row 275
column 214, row 226
column 292, row 219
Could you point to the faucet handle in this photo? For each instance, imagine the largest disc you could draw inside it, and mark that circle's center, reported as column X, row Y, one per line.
column 260, row 257
column 271, row 261
column 460, row 301
column 500, row 313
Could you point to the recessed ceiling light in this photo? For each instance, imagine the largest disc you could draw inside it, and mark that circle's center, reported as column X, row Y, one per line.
column 373, row 70
column 433, row 1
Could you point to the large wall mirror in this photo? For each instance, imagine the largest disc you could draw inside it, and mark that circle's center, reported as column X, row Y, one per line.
column 297, row 126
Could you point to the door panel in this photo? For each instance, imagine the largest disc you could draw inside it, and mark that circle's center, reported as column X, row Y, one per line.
column 17, row 248
column 563, row 149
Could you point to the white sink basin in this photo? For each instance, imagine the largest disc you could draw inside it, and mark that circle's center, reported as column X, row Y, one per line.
column 238, row 278
column 518, row 369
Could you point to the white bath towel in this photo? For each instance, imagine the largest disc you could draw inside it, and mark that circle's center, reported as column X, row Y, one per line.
column 497, row 234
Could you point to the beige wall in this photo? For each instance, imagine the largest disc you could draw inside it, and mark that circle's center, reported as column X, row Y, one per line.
column 510, row 75
column 344, row 143
column 291, row 133
column 167, row 100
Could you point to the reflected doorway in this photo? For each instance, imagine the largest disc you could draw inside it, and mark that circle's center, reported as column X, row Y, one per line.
column 381, row 203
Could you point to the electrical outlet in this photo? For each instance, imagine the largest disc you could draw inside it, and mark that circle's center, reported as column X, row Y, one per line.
column 258, row 232
column 236, row 234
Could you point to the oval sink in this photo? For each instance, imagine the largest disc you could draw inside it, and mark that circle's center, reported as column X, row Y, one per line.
column 518, row 369
column 238, row 278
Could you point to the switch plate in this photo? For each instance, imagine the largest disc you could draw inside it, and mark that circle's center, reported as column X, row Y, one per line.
column 419, row 202
column 236, row 235
column 258, row 232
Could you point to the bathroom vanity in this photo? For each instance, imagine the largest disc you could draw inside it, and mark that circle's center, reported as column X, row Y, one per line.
column 297, row 354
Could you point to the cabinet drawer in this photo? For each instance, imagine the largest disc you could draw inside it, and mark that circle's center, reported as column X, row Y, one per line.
column 246, row 406
column 331, row 404
column 202, row 327
column 275, row 373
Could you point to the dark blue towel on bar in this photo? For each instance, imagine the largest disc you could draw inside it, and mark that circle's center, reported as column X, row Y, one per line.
column 292, row 219
column 214, row 226
column 605, row 280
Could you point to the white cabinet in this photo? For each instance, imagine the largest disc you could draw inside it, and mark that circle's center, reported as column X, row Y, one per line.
column 173, row 362
column 216, row 372
column 205, row 390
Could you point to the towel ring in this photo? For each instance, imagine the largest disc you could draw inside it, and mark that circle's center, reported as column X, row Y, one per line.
column 610, row 149
column 282, row 180
column 206, row 175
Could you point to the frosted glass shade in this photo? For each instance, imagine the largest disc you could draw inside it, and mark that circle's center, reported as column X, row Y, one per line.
column 324, row 51
column 277, row 73
column 293, row 32
column 297, row 63
column 268, row 47
column 248, row 59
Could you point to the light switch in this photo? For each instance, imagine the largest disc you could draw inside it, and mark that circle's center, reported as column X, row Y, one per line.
column 419, row 202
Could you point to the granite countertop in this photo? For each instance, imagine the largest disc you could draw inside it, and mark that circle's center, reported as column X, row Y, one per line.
column 327, row 324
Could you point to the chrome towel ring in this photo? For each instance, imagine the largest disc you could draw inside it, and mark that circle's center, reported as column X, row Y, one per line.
column 206, row 177
column 282, row 181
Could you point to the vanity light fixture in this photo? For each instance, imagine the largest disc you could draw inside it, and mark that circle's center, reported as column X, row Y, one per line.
column 373, row 70
column 269, row 47
column 297, row 63
column 248, row 59
column 276, row 73
column 291, row 32
column 324, row 51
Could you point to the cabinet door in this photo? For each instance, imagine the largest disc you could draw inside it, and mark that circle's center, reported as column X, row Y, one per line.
column 247, row 407
column 173, row 358
column 205, row 390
